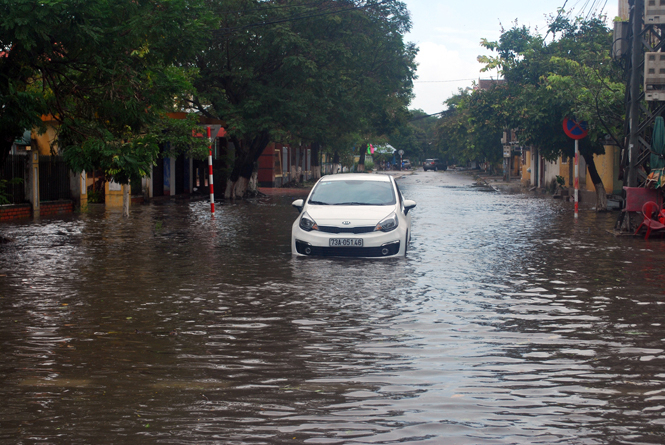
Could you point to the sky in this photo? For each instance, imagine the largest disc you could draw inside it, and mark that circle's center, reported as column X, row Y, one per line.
column 448, row 34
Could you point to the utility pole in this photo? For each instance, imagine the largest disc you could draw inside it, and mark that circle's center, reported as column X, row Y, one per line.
column 636, row 66
column 641, row 44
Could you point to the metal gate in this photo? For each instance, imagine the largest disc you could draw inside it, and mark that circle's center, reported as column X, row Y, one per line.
column 53, row 179
column 15, row 167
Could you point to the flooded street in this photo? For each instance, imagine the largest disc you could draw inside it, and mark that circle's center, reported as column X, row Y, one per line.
column 507, row 323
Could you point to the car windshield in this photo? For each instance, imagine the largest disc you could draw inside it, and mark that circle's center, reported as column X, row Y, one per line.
column 355, row 192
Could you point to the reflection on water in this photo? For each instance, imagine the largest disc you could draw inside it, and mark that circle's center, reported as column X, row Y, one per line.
column 507, row 323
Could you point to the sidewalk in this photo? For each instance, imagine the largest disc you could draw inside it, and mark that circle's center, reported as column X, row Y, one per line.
column 513, row 185
column 285, row 191
column 587, row 199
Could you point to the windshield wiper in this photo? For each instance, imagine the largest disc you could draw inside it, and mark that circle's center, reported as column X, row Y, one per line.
column 318, row 203
column 351, row 204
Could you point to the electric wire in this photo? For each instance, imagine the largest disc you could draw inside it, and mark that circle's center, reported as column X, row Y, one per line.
column 442, row 81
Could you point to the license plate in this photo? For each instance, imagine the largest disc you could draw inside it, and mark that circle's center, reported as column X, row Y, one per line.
column 346, row 242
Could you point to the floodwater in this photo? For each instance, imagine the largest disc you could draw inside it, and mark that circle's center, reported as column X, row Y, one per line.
column 508, row 323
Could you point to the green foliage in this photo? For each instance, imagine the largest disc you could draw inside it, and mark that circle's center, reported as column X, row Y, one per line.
column 416, row 136
column 95, row 196
column 570, row 74
column 339, row 73
column 4, row 195
column 106, row 71
column 109, row 72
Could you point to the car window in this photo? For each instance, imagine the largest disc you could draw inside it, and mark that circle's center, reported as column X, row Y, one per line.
column 353, row 192
column 401, row 198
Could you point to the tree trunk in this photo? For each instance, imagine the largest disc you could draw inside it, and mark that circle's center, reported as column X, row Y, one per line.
column 246, row 155
column 336, row 167
column 361, row 161
column 125, row 200
column 316, row 165
column 240, row 188
column 253, row 186
column 230, row 186
column 601, row 194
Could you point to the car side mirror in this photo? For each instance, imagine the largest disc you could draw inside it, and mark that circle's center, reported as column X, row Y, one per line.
column 408, row 205
column 298, row 204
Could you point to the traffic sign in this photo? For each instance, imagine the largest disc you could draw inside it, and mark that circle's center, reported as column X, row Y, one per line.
column 575, row 129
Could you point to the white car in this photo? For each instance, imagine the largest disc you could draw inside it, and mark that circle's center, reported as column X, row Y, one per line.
column 355, row 214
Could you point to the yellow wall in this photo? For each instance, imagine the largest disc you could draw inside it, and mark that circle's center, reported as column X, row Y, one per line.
column 608, row 169
column 44, row 141
column 113, row 198
column 526, row 176
column 564, row 169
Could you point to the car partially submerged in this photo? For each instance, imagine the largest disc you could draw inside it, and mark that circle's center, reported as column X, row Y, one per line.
column 434, row 164
column 358, row 215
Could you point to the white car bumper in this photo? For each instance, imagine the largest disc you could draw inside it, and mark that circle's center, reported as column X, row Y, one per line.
column 374, row 244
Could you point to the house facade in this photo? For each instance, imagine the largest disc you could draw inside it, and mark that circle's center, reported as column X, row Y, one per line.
column 540, row 173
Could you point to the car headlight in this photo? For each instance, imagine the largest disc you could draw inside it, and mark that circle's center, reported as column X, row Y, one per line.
column 307, row 223
column 387, row 224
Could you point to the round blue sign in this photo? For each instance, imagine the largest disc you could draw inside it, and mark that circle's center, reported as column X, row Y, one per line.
column 575, row 129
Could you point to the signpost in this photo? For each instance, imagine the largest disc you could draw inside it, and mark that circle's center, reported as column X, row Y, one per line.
column 506, row 162
column 212, row 189
column 576, row 130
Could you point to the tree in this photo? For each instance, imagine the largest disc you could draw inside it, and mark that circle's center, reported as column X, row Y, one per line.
column 470, row 129
column 106, row 71
column 280, row 70
column 416, row 135
column 572, row 74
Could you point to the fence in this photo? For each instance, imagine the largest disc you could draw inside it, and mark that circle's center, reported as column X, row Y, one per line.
column 15, row 167
column 53, row 179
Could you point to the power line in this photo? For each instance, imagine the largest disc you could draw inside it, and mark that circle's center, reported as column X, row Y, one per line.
column 426, row 115
column 441, row 81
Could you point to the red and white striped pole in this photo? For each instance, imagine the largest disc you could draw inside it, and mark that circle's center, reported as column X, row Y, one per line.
column 577, row 176
column 212, row 189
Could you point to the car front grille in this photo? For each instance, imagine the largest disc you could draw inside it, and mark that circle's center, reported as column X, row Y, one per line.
column 306, row 249
column 333, row 229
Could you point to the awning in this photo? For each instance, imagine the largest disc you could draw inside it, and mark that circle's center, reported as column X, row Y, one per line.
column 23, row 140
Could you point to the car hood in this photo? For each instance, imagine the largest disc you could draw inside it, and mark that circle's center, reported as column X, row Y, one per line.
column 357, row 216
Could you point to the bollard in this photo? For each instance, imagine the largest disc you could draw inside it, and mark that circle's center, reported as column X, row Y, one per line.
column 212, row 190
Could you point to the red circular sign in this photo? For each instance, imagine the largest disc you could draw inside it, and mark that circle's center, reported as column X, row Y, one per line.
column 575, row 129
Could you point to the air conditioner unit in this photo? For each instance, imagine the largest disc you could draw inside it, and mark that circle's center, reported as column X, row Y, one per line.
column 620, row 40
column 654, row 76
column 654, row 12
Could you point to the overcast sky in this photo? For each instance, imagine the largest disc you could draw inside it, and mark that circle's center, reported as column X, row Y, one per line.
column 448, row 34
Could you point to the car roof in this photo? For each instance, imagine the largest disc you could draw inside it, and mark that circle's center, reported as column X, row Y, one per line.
column 357, row 177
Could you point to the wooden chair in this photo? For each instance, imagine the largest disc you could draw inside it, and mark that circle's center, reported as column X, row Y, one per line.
column 650, row 211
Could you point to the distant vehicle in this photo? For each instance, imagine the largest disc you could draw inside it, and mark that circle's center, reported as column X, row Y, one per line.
column 434, row 164
column 406, row 164
column 354, row 215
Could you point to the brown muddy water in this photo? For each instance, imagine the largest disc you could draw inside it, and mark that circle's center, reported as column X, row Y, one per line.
column 508, row 323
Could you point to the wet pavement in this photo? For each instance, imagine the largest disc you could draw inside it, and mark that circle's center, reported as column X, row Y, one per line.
column 508, row 323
